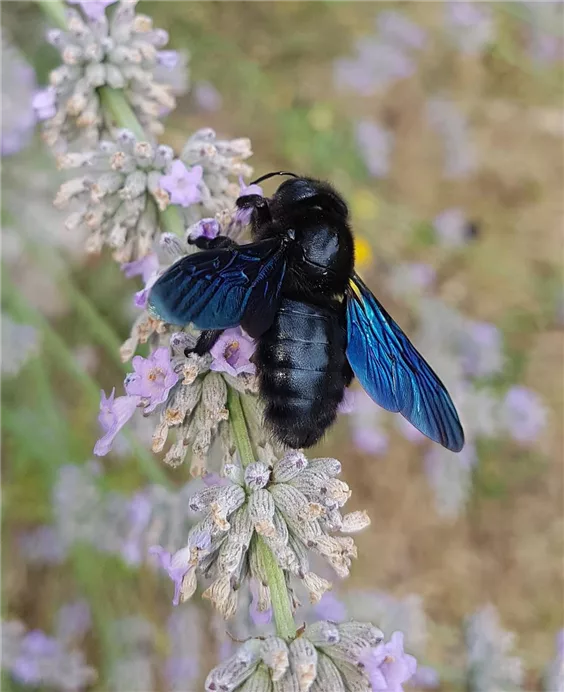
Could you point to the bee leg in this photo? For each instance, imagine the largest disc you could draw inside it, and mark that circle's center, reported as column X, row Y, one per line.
column 221, row 241
column 205, row 343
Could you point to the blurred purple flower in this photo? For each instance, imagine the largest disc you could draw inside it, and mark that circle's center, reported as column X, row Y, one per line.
column 41, row 661
column 148, row 268
column 377, row 65
column 450, row 477
column 144, row 267
column 397, row 28
column 411, row 279
column 451, row 227
column 375, row 145
column 179, row 564
column 370, row 440
column 330, row 608
column 182, row 184
column 523, row 414
column 211, row 479
column 42, row 545
column 348, row 401
column 470, row 25
column 451, row 125
column 168, row 58
column 73, row 621
column 45, row 103
column 152, row 379
column 426, row 678
column 259, row 617
column 207, row 97
column 482, row 350
column 93, row 9
column 204, row 228
column 490, row 665
column 366, row 424
column 243, row 216
column 408, row 431
column 139, row 512
column 546, row 49
column 18, row 86
column 388, row 666
column 114, row 414
column 34, row 646
column 232, row 352
column 179, row 670
column 554, row 673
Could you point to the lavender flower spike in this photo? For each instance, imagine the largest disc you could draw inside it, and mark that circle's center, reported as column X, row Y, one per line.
column 325, row 658
column 294, row 506
column 152, row 379
column 114, row 414
column 523, row 415
column 120, row 52
column 18, row 84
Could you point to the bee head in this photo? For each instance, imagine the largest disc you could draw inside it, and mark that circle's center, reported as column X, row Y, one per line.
column 312, row 194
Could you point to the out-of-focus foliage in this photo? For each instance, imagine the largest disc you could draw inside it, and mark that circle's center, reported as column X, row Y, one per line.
column 441, row 124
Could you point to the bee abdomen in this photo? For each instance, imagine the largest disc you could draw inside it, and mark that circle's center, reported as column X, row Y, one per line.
column 301, row 363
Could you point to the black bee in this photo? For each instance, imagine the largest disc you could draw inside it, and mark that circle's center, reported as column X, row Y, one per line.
column 294, row 290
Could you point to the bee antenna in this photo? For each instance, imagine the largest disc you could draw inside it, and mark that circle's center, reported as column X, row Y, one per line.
column 271, row 175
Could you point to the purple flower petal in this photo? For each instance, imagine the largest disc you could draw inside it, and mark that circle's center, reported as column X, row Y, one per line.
column 45, row 103
column 243, row 216
column 204, row 228
column 232, row 352
column 176, row 565
column 93, row 9
column 388, row 666
column 168, row 58
column 144, row 267
column 114, row 414
column 152, row 379
column 182, row 184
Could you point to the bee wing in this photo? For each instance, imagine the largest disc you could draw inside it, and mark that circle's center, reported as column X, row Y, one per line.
column 218, row 289
column 394, row 373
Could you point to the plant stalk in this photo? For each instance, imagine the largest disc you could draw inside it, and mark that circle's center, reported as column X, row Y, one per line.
column 115, row 103
column 55, row 10
column 281, row 607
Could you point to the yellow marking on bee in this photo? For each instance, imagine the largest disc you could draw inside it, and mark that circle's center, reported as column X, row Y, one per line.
column 355, row 288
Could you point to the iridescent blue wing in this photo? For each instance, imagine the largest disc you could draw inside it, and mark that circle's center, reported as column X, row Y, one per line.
column 394, row 373
column 218, row 289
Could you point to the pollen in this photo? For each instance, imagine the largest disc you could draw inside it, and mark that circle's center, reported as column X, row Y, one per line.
column 156, row 374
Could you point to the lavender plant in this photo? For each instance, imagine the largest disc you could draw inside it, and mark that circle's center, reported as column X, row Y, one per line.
column 270, row 507
column 34, row 658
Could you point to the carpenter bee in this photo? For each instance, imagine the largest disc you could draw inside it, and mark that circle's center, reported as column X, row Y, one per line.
column 294, row 290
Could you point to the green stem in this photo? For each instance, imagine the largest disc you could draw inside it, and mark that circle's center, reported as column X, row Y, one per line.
column 281, row 608
column 285, row 626
column 55, row 10
column 172, row 220
column 239, row 426
column 114, row 101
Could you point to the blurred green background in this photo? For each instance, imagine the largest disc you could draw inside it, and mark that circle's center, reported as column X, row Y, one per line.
column 272, row 67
